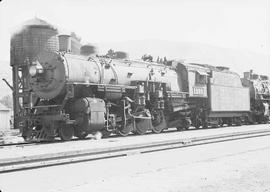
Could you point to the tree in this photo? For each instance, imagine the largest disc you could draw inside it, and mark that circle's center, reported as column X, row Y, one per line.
column 120, row 55
column 148, row 58
column 116, row 54
column 75, row 36
column 88, row 49
column 165, row 60
column 110, row 53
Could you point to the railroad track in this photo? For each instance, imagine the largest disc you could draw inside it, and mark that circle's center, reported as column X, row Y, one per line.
column 30, row 143
column 52, row 159
column 19, row 144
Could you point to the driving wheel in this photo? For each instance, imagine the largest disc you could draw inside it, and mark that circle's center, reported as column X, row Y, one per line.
column 125, row 129
column 159, row 122
column 142, row 125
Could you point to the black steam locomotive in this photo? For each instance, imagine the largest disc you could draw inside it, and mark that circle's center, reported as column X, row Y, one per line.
column 59, row 91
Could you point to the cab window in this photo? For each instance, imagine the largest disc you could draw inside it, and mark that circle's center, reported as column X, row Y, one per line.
column 200, row 78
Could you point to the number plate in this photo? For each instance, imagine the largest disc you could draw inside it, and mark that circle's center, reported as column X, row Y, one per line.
column 198, row 91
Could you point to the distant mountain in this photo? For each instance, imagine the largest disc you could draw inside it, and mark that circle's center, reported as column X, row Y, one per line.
column 238, row 61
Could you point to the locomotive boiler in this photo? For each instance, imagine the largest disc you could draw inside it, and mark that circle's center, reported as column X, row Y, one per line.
column 82, row 95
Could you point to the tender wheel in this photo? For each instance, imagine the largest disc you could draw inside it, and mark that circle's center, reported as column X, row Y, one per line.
column 238, row 121
column 124, row 130
column 229, row 122
column 220, row 122
column 66, row 132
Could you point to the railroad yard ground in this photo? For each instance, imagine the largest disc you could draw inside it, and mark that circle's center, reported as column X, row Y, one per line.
column 240, row 165
column 10, row 136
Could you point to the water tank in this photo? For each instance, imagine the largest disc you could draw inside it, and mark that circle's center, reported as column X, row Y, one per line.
column 31, row 38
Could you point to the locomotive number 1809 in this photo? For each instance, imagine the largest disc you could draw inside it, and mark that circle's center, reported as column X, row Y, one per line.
column 198, row 91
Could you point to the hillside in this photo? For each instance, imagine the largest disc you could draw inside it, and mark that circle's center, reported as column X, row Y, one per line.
column 238, row 61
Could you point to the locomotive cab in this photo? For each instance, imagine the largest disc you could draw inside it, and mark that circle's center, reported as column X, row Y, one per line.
column 194, row 80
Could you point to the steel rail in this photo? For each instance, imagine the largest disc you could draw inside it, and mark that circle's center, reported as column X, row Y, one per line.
column 30, row 143
column 75, row 156
column 18, row 144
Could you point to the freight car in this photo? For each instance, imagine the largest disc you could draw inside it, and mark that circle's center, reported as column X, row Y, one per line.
column 60, row 93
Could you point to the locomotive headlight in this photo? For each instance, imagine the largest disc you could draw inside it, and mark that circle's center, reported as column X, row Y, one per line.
column 35, row 69
column 32, row 70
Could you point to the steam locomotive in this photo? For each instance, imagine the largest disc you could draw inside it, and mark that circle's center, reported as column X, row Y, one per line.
column 59, row 92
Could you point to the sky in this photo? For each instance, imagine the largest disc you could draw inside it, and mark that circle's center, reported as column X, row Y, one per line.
column 236, row 24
